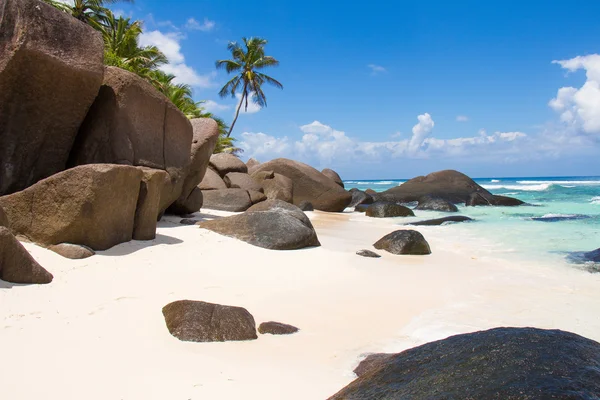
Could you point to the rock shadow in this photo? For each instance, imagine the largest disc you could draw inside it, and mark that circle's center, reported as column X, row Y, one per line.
column 131, row 247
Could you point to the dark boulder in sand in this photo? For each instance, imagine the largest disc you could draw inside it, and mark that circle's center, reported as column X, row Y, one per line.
column 271, row 224
column 16, row 264
column 72, row 251
column 241, row 180
column 334, row 176
column 198, row 321
column 276, row 328
column 368, row 253
column 306, row 206
column 449, row 185
column 372, row 362
column 212, row 181
column 234, row 200
column 360, row 197
column 404, row 242
column 383, row 209
column 51, row 68
column 132, row 123
column 309, row 184
column 192, row 204
column 434, row 204
column 276, row 186
column 224, row 163
column 93, row 205
column 441, row 221
column 501, row 363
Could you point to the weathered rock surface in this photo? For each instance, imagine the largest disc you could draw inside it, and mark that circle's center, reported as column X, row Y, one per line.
column 4, row 219
column 227, row 199
column 206, row 133
column 212, row 181
column 433, row 204
column 440, row 221
column 368, row 253
column 256, row 197
column 362, row 208
column 501, row 363
column 370, row 192
column 385, row 210
column 224, row 163
column 309, row 184
column 276, row 186
column 198, row 321
column 404, row 242
column 241, row 180
column 16, row 264
column 276, row 328
column 72, row 251
column 93, row 205
column 360, row 197
column 372, row 362
column 51, row 68
column 449, row 185
column 334, row 176
column 306, row 206
column 132, row 123
column 251, row 163
column 271, row 224
column 148, row 203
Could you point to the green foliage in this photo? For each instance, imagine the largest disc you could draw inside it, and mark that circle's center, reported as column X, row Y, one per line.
column 247, row 63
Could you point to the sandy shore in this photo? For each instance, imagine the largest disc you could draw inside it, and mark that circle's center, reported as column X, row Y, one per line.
column 97, row 332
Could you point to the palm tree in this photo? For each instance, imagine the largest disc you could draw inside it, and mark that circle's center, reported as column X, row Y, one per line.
column 85, row 10
column 247, row 62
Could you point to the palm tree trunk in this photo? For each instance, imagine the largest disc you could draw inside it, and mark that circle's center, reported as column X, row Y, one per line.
column 237, row 113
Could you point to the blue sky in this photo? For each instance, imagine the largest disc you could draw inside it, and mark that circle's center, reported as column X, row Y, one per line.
column 400, row 88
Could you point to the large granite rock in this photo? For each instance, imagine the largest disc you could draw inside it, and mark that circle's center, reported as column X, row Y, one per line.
column 51, row 68
column 382, row 209
column 271, row 224
column 16, row 264
column 132, row 123
column 309, row 184
column 433, row 204
column 72, row 251
column 359, row 197
column 212, row 181
column 241, row 180
column 3, row 218
column 334, row 176
column 206, row 133
column 234, row 200
column 275, row 186
column 449, row 185
column 478, row 199
column 256, row 197
column 148, row 206
column 198, row 321
column 224, row 163
column 501, row 363
column 251, row 163
column 92, row 205
column 404, row 242
column 276, row 328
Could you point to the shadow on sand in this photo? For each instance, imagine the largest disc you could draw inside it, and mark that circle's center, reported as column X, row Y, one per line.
column 124, row 249
column 172, row 221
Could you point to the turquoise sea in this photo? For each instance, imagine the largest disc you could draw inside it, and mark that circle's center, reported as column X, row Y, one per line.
column 563, row 216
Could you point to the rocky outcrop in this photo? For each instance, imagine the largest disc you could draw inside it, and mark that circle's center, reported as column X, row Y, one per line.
column 51, row 68
column 240, row 180
column 334, row 176
column 132, row 123
column 371, row 363
column 198, row 321
column 275, row 186
column 251, row 163
column 212, row 181
column 224, row 163
column 72, row 251
column 256, row 197
column 93, row 205
column 309, row 184
column 441, row 221
column 148, row 203
column 368, row 253
column 206, row 133
column 449, row 185
column 271, row 224
column 234, row 200
column 276, row 328
column 404, row 242
column 434, row 204
column 387, row 210
column 360, row 197
column 501, row 363
column 16, row 264
column 370, row 192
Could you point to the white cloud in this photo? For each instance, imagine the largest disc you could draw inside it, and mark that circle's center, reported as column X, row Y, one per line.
column 376, row 69
column 252, row 106
column 169, row 44
column 194, row 25
column 462, row 118
column 420, row 132
column 580, row 108
column 259, row 145
column 214, row 107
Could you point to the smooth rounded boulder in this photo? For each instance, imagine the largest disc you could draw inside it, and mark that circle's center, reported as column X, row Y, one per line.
column 224, row 163
column 359, row 197
column 275, row 186
column 334, row 176
column 368, row 254
column 404, row 242
column 72, row 251
column 199, row 321
column 51, row 68
column 16, row 264
column 309, row 184
column 434, row 204
column 212, row 181
column 388, row 210
column 500, row 363
column 276, row 328
column 241, row 180
column 234, row 200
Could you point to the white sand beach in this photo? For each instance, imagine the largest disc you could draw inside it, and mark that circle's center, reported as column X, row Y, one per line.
column 97, row 331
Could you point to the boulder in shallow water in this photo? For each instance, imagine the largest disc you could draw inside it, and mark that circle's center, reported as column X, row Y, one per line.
column 386, row 210
column 501, row 363
column 368, row 253
column 276, row 328
column 362, row 208
column 16, row 264
column 72, row 251
column 590, row 258
column 441, row 221
column 433, row 204
column 360, row 197
column 198, row 321
column 404, row 242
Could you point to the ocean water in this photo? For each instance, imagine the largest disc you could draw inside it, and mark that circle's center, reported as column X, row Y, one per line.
column 562, row 216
